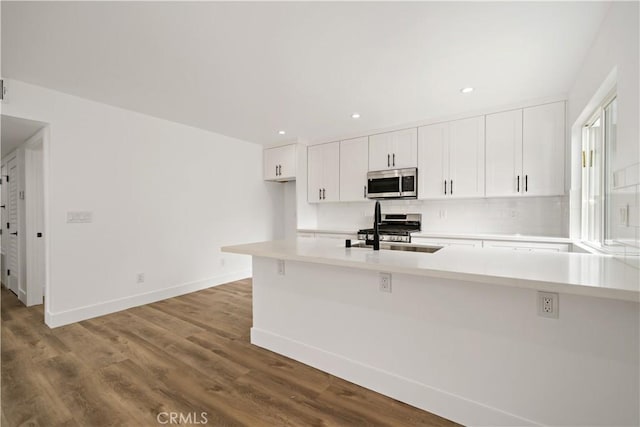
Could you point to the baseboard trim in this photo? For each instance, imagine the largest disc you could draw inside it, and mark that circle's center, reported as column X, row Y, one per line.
column 436, row 401
column 54, row 320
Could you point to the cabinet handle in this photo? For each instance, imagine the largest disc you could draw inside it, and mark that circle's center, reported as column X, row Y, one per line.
column 364, row 192
column 591, row 159
column 388, row 160
column 445, row 186
column 584, row 159
column 526, row 183
column 451, row 189
column 394, row 159
column 518, row 186
column 276, row 170
column 279, row 170
column 324, row 195
column 319, row 193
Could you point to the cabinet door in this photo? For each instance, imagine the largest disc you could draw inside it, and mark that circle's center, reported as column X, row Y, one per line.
column 380, row 152
column 433, row 160
column 280, row 163
column 314, row 177
column 543, row 147
column 404, row 148
column 504, row 154
column 354, row 164
column 331, row 172
column 466, row 157
column 270, row 163
column 287, row 161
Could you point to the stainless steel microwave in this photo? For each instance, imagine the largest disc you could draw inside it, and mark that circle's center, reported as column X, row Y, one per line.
column 393, row 184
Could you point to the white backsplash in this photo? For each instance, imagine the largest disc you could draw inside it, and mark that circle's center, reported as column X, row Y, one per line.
column 539, row 216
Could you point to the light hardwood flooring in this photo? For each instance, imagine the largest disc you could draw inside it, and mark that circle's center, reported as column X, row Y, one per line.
column 189, row 355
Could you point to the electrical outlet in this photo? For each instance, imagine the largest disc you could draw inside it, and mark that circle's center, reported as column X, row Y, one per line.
column 140, row 278
column 385, row 282
column 281, row 267
column 548, row 304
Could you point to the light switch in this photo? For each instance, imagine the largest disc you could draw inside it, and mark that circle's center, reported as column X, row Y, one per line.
column 79, row 217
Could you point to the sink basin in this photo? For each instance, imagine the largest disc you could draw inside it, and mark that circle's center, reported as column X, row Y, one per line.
column 396, row 247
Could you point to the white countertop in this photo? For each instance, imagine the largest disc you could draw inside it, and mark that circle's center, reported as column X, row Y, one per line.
column 571, row 273
column 445, row 235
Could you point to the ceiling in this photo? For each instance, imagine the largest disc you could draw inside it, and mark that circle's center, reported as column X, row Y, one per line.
column 248, row 70
column 14, row 131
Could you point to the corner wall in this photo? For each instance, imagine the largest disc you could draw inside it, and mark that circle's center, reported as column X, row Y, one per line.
column 165, row 197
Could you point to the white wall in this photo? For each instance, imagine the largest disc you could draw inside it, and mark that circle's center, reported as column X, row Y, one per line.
column 614, row 52
column 536, row 216
column 165, row 197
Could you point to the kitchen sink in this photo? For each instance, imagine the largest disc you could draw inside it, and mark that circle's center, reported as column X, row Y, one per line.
column 396, row 247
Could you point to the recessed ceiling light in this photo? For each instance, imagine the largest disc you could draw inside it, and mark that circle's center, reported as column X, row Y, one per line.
column 355, row 116
column 281, row 132
column 466, row 90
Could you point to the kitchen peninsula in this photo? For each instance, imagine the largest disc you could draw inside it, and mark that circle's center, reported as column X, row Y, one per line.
column 459, row 334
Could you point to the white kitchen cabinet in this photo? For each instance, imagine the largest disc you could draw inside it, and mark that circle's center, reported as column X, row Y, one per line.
column 393, row 150
column 526, row 246
column 324, row 173
column 451, row 159
column 354, row 164
column 504, row 154
column 525, row 151
column 470, row 243
column 543, row 147
column 280, row 163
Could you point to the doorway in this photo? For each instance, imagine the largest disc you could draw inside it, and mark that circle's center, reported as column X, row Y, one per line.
column 23, row 208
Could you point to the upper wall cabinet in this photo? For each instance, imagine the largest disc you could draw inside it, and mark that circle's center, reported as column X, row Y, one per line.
column 504, row 154
column 324, row 173
column 525, row 151
column 451, row 159
column 354, row 164
column 543, row 146
column 393, row 150
column 280, row 163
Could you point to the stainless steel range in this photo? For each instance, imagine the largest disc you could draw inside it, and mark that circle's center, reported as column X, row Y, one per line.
column 394, row 228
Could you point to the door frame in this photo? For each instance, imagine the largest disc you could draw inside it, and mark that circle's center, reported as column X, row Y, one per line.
column 35, row 218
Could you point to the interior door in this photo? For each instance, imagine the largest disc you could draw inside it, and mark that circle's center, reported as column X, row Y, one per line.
column 13, row 253
column 3, row 220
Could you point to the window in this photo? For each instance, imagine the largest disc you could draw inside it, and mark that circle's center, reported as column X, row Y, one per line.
column 598, row 146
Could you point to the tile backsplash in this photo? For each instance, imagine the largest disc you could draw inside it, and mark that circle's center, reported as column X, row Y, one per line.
column 538, row 216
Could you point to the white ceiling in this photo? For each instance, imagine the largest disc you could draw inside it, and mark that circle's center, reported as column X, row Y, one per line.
column 250, row 69
column 14, row 131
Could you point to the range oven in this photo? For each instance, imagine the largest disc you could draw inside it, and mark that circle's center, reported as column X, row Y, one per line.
column 393, row 184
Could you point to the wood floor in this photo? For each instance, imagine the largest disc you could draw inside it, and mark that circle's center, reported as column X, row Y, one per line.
column 189, row 355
